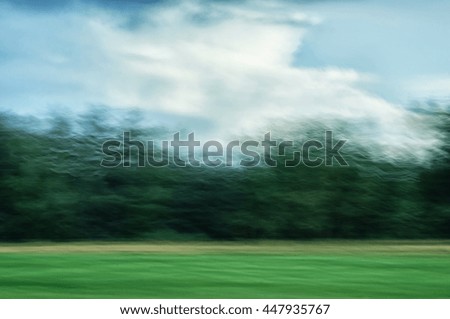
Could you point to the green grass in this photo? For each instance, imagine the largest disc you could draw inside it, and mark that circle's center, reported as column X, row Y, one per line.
column 225, row 274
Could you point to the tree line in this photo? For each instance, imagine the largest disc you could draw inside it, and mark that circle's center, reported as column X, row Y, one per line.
column 52, row 187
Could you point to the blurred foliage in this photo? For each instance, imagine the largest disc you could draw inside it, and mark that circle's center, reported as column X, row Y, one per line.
column 52, row 187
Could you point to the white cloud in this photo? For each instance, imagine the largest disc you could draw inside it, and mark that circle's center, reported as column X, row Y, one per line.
column 234, row 69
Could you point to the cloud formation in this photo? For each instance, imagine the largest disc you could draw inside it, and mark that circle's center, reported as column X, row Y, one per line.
column 229, row 64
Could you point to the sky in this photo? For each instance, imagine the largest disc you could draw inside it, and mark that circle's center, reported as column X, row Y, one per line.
column 231, row 66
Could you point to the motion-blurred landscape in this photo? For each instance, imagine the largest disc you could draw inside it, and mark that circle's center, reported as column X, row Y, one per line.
column 77, row 73
column 53, row 188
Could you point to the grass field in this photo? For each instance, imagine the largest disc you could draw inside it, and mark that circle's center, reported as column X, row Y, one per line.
column 347, row 269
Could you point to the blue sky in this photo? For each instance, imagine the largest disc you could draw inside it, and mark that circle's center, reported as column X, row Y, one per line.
column 235, row 66
column 403, row 43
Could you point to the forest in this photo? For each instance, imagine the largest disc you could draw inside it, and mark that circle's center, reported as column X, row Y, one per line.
column 52, row 187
